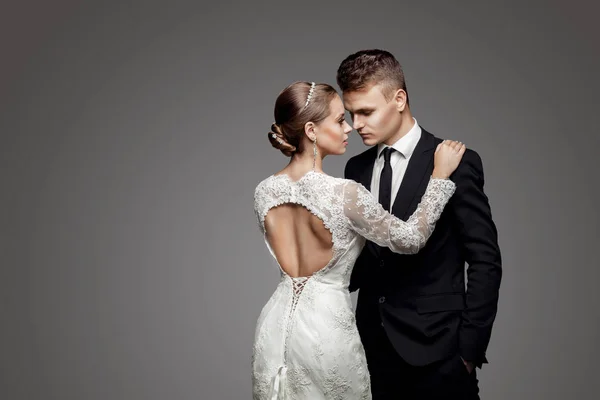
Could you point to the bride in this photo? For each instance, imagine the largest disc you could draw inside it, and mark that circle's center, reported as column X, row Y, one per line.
column 306, row 342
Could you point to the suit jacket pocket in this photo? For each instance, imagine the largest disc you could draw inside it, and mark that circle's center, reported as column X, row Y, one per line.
column 440, row 302
column 439, row 314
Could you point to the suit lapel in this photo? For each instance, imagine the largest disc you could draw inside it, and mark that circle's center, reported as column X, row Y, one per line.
column 418, row 169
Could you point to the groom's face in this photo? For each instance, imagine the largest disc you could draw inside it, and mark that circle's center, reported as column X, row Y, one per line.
column 375, row 118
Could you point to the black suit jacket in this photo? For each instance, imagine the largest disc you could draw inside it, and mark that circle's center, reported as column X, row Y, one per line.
column 421, row 300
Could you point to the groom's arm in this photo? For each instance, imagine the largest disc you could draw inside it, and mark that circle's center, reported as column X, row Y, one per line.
column 479, row 239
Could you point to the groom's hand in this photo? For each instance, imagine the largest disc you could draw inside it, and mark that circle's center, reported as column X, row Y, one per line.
column 468, row 364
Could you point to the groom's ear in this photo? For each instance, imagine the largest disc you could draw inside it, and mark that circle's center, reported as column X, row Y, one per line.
column 400, row 98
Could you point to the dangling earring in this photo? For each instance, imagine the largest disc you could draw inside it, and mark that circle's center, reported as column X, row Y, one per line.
column 314, row 152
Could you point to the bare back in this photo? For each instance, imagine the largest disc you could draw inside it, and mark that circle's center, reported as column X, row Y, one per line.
column 299, row 239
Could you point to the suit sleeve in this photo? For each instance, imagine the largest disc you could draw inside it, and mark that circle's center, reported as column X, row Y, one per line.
column 479, row 240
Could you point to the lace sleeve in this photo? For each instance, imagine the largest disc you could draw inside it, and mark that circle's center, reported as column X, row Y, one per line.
column 260, row 203
column 369, row 219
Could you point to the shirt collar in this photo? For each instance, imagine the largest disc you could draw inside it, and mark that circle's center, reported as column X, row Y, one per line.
column 406, row 144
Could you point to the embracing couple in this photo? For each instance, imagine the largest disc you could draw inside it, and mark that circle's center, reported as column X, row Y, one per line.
column 399, row 227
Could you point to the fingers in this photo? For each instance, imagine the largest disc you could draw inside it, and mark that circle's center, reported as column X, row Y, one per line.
column 456, row 146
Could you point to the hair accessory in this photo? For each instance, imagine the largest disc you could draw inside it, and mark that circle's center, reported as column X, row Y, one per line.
column 274, row 136
column 310, row 93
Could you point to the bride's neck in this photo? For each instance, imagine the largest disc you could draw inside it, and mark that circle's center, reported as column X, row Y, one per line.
column 301, row 163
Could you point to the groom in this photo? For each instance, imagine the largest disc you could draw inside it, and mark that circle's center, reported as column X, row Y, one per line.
column 423, row 331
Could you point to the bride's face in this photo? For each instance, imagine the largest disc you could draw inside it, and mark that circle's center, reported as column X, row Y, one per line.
column 332, row 132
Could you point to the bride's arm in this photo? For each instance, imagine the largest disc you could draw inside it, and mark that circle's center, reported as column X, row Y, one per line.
column 369, row 219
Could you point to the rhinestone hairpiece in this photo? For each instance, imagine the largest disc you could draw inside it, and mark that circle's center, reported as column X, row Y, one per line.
column 274, row 136
column 310, row 93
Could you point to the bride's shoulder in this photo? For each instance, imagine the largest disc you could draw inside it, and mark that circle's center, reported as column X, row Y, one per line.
column 264, row 184
column 273, row 185
column 347, row 186
column 334, row 179
column 348, row 183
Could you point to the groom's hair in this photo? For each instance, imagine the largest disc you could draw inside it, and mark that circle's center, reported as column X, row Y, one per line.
column 367, row 67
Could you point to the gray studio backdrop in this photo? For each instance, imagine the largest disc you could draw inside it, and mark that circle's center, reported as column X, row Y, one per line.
column 133, row 135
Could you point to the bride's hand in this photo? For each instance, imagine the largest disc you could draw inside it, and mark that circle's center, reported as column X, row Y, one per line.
column 447, row 157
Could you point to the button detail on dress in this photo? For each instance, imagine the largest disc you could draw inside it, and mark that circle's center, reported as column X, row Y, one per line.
column 381, row 263
column 381, row 299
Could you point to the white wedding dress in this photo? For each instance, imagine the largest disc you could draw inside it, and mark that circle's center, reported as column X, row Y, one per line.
column 306, row 343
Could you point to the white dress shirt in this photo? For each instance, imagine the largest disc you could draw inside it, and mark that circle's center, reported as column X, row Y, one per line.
column 404, row 147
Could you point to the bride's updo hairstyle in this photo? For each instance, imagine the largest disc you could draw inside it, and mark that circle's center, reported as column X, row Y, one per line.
column 297, row 104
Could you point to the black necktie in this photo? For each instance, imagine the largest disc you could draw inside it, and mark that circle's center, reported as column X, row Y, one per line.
column 385, row 180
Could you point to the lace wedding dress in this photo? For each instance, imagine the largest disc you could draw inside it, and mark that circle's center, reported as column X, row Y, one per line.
column 306, row 343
